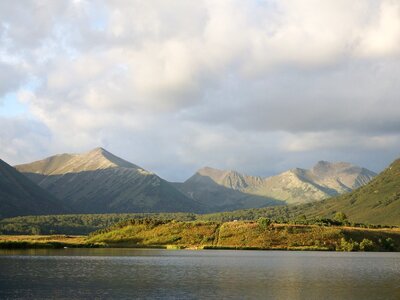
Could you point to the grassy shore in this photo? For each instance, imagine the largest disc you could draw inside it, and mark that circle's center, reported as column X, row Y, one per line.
column 43, row 241
column 247, row 235
column 219, row 235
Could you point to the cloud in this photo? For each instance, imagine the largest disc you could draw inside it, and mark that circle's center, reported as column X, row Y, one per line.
column 11, row 78
column 22, row 140
column 255, row 85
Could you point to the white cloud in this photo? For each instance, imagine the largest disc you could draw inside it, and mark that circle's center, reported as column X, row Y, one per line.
column 382, row 36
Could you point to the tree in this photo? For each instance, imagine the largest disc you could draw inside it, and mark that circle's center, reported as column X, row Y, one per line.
column 340, row 217
column 366, row 245
column 349, row 245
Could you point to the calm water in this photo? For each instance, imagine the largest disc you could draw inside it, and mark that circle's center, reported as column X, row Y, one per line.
column 130, row 273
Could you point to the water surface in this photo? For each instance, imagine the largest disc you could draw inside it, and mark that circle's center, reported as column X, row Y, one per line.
column 183, row 274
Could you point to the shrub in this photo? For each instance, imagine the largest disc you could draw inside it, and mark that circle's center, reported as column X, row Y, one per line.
column 348, row 245
column 264, row 222
column 388, row 244
column 366, row 245
column 340, row 217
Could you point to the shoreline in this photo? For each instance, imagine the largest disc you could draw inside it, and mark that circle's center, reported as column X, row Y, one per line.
column 238, row 235
column 24, row 245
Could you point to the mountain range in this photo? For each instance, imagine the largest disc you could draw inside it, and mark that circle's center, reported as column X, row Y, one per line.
column 100, row 182
column 295, row 186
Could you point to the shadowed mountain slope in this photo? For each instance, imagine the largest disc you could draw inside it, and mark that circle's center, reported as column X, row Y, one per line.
column 217, row 197
column 20, row 196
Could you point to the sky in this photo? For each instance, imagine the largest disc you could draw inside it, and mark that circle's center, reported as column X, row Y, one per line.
column 258, row 86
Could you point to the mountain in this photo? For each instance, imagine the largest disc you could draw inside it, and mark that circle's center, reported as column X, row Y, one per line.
column 378, row 202
column 222, row 190
column 100, row 182
column 324, row 180
column 20, row 196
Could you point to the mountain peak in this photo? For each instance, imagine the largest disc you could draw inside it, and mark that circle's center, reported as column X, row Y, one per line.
column 100, row 158
column 228, row 178
column 96, row 159
column 211, row 172
column 323, row 163
column 98, row 150
column 328, row 168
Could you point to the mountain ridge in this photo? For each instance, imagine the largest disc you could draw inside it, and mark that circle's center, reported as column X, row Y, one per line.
column 297, row 185
column 98, row 181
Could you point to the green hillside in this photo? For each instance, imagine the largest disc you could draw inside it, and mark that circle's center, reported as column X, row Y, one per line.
column 378, row 202
column 244, row 235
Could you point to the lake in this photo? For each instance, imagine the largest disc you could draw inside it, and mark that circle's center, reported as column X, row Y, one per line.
column 185, row 274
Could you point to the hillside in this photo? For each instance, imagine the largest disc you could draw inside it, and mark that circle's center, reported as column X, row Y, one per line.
column 244, row 235
column 19, row 196
column 324, row 180
column 378, row 202
column 100, row 182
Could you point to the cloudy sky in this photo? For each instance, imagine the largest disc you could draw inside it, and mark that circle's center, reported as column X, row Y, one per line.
column 259, row 86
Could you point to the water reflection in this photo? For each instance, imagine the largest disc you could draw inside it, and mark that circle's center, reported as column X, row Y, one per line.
column 135, row 273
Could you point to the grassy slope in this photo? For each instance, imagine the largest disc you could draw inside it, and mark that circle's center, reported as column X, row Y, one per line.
column 377, row 202
column 172, row 233
column 239, row 235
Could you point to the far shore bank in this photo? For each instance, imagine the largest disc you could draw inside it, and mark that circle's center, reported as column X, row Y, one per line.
column 239, row 235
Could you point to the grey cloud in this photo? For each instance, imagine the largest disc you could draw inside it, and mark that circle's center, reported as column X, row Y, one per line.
column 25, row 24
column 362, row 97
column 22, row 140
column 11, row 77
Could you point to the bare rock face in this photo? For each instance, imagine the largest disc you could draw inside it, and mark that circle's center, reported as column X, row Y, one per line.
column 100, row 182
column 324, row 180
column 342, row 177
